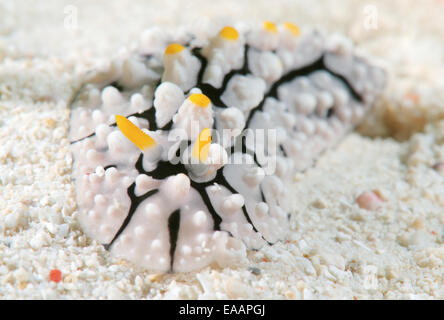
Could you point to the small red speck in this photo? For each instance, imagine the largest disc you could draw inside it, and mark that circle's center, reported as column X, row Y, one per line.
column 55, row 275
column 433, row 232
column 265, row 260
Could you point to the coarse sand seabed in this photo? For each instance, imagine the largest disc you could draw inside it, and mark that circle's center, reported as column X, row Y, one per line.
column 336, row 250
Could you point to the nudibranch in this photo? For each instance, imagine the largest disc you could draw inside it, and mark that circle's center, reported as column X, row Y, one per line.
column 184, row 154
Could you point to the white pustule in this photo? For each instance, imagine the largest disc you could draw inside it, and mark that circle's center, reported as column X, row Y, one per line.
column 195, row 114
column 265, row 38
column 135, row 74
column 217, row 158
column 266, row 65
column 231, row 204
column 289, row 36
column 225, row 52
column 153, row 40
column 203, row 158
column 181, row 67
column 111, row 97
column 167, row 99
column 144, row 184
column 254, row 176
column 176, row 188
column 230, row 123
column 339, row 44
column 244, row 92
column 261, row 209
column 138, row 102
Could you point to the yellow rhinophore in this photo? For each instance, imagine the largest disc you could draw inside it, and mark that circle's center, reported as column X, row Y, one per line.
column 134, row 134
column 200, row 100
column 174, row 48
column 229, row 33
column 294, row 29
column 270, row 27
column 202, row 145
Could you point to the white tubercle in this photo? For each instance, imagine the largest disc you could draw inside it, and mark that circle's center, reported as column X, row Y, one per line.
column 138, row 102
column 232, row 203
column 265, row 65
column 176, row 187
column 230, row 123
column 244, row 92
column 153, row 40
column 217, row 157
column 232, row 118
column 325, row 102
column 339, row 44
column 153, row 154
column 261, row 210
column 299, row 51
column 119, row 144
column 167, row 99
column 265, row 38
column 206, row 170
column 180, row 67
column 195, row 114
column 254, row 176
column 225, row 52
column 289, row 36
column 144, row 184
column 111, row 97
column 135, row 74
column 305, row 103
column 102, row 131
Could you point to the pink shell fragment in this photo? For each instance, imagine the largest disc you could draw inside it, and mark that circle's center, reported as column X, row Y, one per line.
column 368, row 200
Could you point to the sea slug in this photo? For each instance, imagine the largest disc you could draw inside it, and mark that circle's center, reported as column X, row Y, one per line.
column 185, row 150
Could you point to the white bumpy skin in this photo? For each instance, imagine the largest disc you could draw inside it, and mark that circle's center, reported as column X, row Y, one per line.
column 179, row 202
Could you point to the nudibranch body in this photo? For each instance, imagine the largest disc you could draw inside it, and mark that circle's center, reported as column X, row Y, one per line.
column 183, row 157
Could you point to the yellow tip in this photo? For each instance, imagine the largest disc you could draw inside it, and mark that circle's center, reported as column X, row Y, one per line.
column 270, row 27
column 134, row 134
column 200, row 100
column 294, row 29
column 174, row 48
column 202, row 145
column 229, row 33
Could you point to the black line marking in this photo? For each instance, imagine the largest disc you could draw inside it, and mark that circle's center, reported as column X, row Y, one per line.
column 215, row 93
column 135, row 202
column 281, row 147
column 201, row 188
column 117, row 85
column 173, row 227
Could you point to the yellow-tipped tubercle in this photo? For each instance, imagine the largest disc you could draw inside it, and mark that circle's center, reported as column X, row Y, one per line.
column 294, row 29
column 174, row 48
column 229, row 33
column 202, row 145
column 199, row 100
column 270, row 27
column 134, row 134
